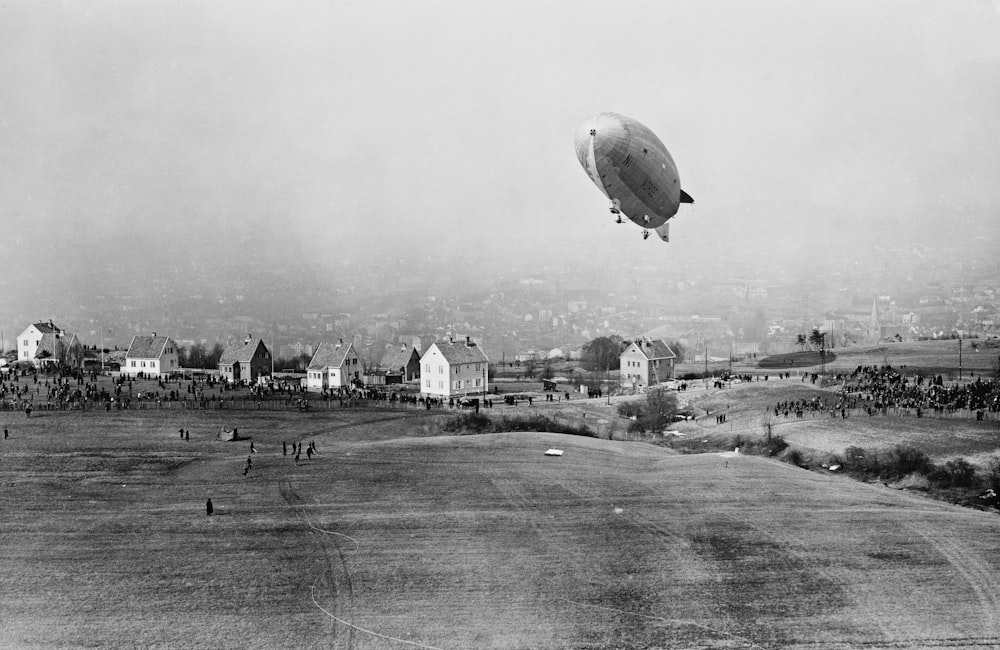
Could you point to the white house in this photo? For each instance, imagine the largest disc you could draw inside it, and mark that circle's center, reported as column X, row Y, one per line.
column 334, row 365
column 647, row 363
column 151, row 356
column 27, row 342
column 450, row 369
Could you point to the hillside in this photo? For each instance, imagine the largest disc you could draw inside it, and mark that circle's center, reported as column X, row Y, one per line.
column 389, row 540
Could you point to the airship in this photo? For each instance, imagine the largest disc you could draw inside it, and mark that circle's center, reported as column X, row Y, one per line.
column 630, row 165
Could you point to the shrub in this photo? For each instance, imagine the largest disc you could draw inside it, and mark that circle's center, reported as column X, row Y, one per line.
column 906, row 459
column 793, row 456
column 993, row 473
column 481, row 423
column 629, row 409
column 955, row 473
column 474, row 422
column 860, row 461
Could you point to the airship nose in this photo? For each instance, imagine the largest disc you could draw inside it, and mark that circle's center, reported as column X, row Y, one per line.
column 605, row 129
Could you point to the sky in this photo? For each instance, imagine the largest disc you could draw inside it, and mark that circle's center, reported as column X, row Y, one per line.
column 368, row 127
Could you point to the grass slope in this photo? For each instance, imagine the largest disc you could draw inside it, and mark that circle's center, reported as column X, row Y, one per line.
column 394, row 537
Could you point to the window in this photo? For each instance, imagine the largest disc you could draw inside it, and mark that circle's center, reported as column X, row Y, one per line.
column 477, row 382
column 440, row 370
column 477, row 367
column 428, row 384
column 458, row 383
column 427, row 367
column 133, row 363
column 441, row 385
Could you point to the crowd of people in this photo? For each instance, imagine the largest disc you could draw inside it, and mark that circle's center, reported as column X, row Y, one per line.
column 877, row 388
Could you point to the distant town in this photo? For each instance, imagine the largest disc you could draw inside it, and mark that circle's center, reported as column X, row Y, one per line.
column 549, row 312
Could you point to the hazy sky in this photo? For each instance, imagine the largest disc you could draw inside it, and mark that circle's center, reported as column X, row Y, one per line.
column 349, row 124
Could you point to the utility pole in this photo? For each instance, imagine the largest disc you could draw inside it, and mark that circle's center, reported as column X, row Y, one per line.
column 960, row 356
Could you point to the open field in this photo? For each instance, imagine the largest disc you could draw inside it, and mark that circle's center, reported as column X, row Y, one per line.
column 979, row 357
column 397, row 537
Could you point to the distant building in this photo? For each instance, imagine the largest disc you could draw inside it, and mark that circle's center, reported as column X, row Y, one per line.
column 247, row 361
column 44, row 344
column 647, row 363
column 334, row 366
column 151, row 356
column 401, row 364
column 28, row 340
column 454, row 369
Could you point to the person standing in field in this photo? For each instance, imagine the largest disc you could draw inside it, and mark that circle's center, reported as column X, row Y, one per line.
column 284, row 448
column 208, row 508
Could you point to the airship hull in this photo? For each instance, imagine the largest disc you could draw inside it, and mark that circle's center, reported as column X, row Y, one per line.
column 632, row 167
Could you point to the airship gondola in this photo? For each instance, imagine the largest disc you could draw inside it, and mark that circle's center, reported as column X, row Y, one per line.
column 633, row 169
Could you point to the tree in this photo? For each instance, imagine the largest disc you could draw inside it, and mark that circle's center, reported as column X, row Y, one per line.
column 658, row 411
column 529, row 369
column 602, row 353
column 800, row 341
column 816, row 338
column 679, row 350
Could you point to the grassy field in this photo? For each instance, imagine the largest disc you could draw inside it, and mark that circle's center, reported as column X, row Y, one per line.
column 979, row 357
column 395, row 536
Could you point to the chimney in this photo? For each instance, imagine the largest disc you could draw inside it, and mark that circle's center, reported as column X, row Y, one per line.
column 154, row 335
column 451, row 340
column 468, row 341
column 246, row 341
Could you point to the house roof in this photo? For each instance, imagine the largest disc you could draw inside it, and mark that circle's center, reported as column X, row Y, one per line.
column 397, row 357
column 330, row 355
column 49, row 346
column 45, row 328
column 653, row 349
column 241, row 351
column 146, row 347
column 460, row 352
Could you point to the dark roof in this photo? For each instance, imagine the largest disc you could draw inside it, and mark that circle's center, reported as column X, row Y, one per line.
column 146, row 347
column 47, row 328
column 240, row 351
column 455, row 352
column 329, row 355
column 397, row 357
column 654, row 349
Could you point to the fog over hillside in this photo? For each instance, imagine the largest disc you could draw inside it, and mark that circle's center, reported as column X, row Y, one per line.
column 188, row 161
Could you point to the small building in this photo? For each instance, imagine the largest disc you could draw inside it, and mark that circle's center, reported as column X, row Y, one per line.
column 56, row 349
column 151, row 356
column 245, row 361
column 28, row 340
column 450, row 369
column 401, row 364
column 333, row 366
column 647, row 363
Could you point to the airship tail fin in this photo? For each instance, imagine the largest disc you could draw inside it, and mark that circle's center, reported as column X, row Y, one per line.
column 686, row 198
column 664, row 231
